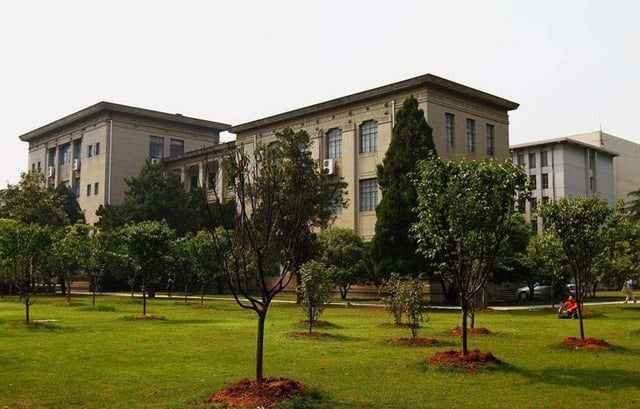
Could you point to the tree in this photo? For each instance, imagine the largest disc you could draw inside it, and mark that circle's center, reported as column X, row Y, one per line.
column 393, row 248
column 156, row 195
column 32, row 201
column 581, row 225
column 545, row 261
column 205, row 268
column 70, row 203
column 23, row 251
column 342, row 253
column 71, row 255
column 148, row 246
column 634, row 204
column 463, row 214
column 406, row 297
column 313, row 291
column 280, row 196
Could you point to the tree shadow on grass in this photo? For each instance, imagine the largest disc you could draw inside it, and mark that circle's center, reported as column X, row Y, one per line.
column 602, row 380
column 98, row 308
column 323, row 338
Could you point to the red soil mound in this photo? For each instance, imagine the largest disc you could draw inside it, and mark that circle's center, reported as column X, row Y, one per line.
column 413, row 341
column 457, row 331
column 246, row 393
column 587, row 343
column 313, row 334
column 470, row 361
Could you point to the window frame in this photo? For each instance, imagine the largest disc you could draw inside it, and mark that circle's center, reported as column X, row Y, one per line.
column 450, row 129
column 368, row 194
column 333, row 138
column 368, row 131
column 471, row 135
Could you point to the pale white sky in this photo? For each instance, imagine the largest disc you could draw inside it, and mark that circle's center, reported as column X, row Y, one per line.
column 573, row 65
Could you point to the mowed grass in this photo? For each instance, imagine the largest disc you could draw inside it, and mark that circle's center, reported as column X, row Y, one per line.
column 83, row 357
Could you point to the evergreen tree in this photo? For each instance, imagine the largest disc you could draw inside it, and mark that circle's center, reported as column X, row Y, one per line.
column 393, row 248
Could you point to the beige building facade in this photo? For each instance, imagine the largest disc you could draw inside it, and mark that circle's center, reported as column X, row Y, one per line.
column 351, row 134
column 94, row 150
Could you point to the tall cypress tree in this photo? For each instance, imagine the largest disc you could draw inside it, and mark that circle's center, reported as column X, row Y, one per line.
column 393, row 250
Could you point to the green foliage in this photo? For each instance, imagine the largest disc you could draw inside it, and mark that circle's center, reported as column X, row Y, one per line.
column 464, row 211
column 70, row 204
column 313, row 290
column 393, row 248
column 634, row 204
column 511, row 265
column 581, row 225
column 545, row 261
column 342, row 253
column 199, row 249
column 406, row 297
column 71, row 255
column 32, row 201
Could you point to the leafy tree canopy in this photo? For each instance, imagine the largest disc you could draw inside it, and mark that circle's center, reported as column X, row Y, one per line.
column 32, row 201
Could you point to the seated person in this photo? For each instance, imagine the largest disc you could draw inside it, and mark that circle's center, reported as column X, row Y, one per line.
column 568, row 309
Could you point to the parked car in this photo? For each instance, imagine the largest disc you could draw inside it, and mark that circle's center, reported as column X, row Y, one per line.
column 541, row 290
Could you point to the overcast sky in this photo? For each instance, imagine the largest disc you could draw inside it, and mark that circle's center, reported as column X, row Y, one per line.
column 573, row 66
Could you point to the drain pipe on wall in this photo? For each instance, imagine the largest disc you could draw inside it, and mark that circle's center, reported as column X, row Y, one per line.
column 110, row 138
column 393, row 113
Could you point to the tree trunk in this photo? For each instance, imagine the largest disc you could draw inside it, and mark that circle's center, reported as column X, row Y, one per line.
column 202, row 295
column 67, row 295
column 26, row 308
column 262, row 316
column 310, row 316
column 144, row 299
column 581, row 322
column 344, row 290
column 186, row 289
column 463, row 329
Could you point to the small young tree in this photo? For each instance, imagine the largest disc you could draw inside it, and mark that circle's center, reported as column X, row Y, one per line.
column 205, row 268
column 71, row 255
column 581, row 225
column 393, row 301
column 406, row 298
column 313, row 291
column 463, row 216
column 342, row 252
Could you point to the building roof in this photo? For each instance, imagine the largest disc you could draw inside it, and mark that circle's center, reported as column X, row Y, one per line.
column 427, row 80
column 559, row 141
column 105, row 107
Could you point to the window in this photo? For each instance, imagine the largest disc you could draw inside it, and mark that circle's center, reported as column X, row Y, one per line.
column 543, row 159
column 471, row 135
column 65, row 154
column 545, row 181
column 533, row 179
column 368, row 195
column 176, row 147
column 52, row 157
column 534, row 204
column 95, row 188
column 534, row 225
column 33, row 166
column 76, row 187
column 449, row 120
column 89, row 189
column 39, row 165
column 368, row 137
column 491, row 140
column 193, row 182
column 592, row 159
column 545, row 200
column 77, row 148
column 334, row 143
column 156, row 147
column 532, row 161
column 97, row 150
column 89, row 151
column 522, row 204
column 520, row 159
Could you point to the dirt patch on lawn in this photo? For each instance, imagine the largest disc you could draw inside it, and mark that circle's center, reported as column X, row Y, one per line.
column 143, row 317
column 396, row 325
column 457, row 331
column 312, row 334
column 247, row 394
column 413, row 341
column 587, row 343
column 471, row 361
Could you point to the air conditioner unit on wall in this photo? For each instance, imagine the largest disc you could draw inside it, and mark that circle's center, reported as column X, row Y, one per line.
column 329, row 165
column 51, row 171
column 155, row 160
column 76, row 164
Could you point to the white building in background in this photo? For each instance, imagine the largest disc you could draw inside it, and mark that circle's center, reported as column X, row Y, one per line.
column 564, row 168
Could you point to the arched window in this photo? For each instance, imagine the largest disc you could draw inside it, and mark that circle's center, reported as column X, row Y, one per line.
column 334, row 143
column 368, row 136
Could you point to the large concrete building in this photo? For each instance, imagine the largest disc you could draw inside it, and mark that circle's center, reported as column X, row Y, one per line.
column 564, row 168
column 351, row 134
column 95, row 149
column 626, row 165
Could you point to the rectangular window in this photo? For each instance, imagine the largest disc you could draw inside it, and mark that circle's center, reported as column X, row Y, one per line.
column 368, row 137
column 534, row 204
column 65, row 154
column 491, row 140
column 193, row 182
column 545, row 200
column 156, row 147
column 368, row 195
column 449, row 120
column 532, row 161
column 77, row 148
column 592, row 159
column 543, row 159
column 334, row 143
column 39, row 165
column 89, row 151
column 76, row 187
column 522, row 205
column 176, row 147
column 52, row 157
column 533, row 179
column 471, row 135
column 89, row 189
column 95, row 188
column 520, row 159
column 545, row 181
column 534, row 225
column 97, row 150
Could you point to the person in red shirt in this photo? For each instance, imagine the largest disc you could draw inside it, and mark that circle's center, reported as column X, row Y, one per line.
column 568, row 309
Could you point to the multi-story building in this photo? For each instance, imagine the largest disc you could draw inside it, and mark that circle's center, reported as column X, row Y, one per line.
column 564, row 168
column 626, row 166
column 94, row 150
column 351, row 134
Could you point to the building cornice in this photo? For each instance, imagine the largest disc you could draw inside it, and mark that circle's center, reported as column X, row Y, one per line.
column 560, row 141
column 109, row 107
column 427, row 81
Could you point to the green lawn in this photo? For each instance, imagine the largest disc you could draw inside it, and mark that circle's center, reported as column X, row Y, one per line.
column 84, row 357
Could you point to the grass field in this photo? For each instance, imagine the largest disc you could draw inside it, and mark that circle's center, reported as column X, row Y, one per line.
column 79, row 356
